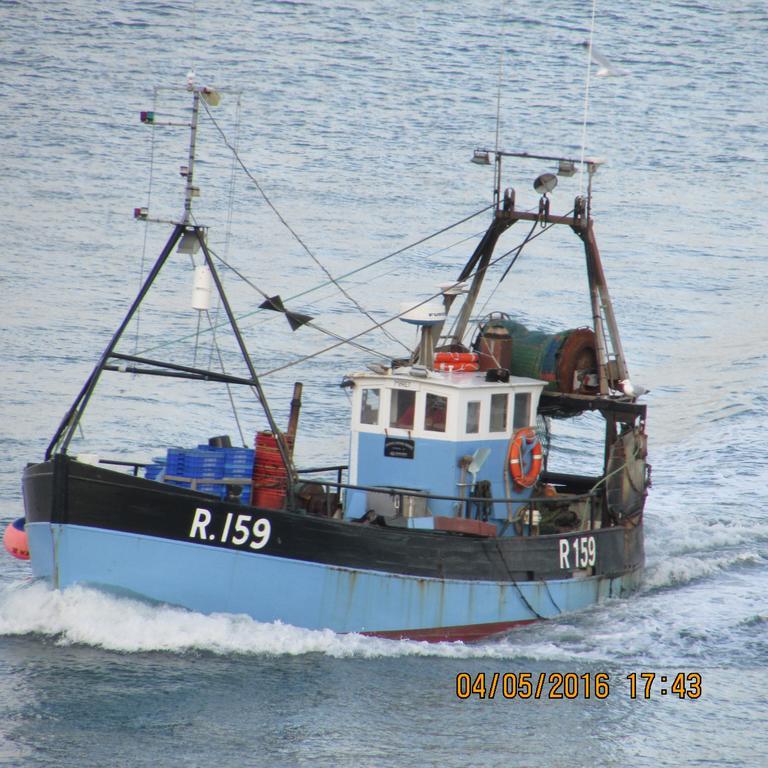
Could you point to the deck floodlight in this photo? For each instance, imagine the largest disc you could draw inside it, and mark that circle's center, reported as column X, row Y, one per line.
column 481, row 157
column 545, row 183
column 566, row 168
column 189, row 242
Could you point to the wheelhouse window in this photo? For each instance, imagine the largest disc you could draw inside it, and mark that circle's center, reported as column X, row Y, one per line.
column 435, row 410
column 402, row 408
column 370, row 406
column 498, row 422
column 522, row 413
column 473, row 417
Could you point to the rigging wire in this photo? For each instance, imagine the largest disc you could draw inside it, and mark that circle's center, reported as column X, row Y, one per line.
column 350, row 339
column 498, row 90
column 586, row 99
column 405, row 248
column 228, row 228
column 517, row 250
column 514, row 581
column 395, row 269
column 511, row 264
column 264, row 295
column 227, row 384
column 291, row 230
column 233, row 178
column 310, row 324
column 346, row 275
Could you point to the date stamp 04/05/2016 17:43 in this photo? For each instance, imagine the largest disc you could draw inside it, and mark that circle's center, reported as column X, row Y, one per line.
column 571, row 685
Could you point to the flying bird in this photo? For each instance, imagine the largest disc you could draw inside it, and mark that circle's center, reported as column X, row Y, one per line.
column 604, row 66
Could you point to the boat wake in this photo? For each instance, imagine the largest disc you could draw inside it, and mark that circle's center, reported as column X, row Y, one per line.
column 88, row 617
column 687, row 569
column 83, row 616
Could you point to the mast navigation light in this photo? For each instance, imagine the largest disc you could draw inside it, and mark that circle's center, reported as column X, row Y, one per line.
column 566, row 168
column 481, row 157
column 147, row 117
column 545, row 183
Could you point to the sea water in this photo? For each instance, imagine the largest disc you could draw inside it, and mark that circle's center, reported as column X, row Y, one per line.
column 358, row 120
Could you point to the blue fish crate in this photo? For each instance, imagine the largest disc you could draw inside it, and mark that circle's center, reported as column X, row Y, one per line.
column 174, row 461
column 206, row 462
column 217, row 489
column 179, row 483
column 237, row 453
column 154, row 471
column 199, row 463
column 238, row 462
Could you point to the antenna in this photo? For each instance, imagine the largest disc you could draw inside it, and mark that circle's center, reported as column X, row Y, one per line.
column 586, row 104
column 210, row 96
column 497, row 168
column 190, row 190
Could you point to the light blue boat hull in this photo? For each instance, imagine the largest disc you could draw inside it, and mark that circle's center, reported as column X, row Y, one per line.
column 301, row 593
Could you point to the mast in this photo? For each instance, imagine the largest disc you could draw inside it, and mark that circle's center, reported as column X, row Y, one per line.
column 189, row 237
column 190, row 190
column 609, row 352
column 478, row 263
column 612, row 363
column 63, row 436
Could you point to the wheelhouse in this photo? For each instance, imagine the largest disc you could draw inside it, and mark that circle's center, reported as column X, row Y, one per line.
column 420, row 431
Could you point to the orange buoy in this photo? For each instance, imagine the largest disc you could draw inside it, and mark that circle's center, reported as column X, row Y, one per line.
column 524, row 444
column 15, row 539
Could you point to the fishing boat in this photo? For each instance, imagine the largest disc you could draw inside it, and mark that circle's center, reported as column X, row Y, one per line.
column 446, row 521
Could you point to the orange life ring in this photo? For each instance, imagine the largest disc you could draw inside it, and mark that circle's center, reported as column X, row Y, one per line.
column 523, row 442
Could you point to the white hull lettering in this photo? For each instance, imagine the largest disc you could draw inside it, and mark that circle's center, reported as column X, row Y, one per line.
column 583, row 549
column 238, row 530
column 199, row 524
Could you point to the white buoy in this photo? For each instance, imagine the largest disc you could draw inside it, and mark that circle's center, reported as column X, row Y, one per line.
column 202, row 288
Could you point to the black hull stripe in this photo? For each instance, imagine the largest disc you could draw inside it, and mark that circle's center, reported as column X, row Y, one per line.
column 66, row 491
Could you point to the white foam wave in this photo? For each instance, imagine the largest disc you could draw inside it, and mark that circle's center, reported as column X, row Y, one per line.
column 676, row 535
column 79, row 615
column 639, row 628
column 676, row 571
